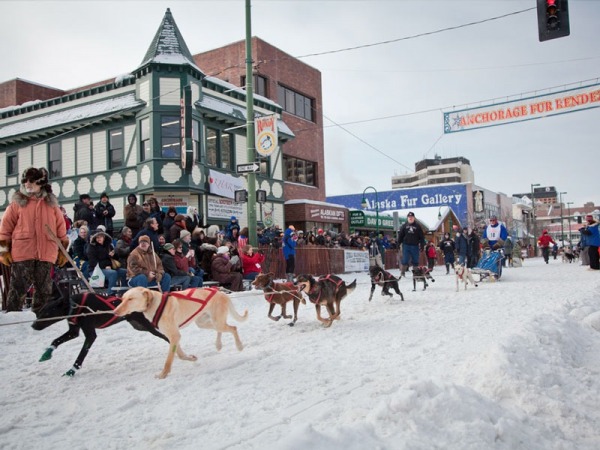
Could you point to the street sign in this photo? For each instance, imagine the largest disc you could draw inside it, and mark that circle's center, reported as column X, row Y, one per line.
column 252, row 167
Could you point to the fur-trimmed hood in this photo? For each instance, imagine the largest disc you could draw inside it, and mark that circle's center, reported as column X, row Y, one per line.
column 21, row 197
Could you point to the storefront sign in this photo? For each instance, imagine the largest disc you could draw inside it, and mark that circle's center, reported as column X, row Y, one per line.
column 537, row 107
column 356, row 261
column 359, row 219
column 455, row 196
column 179, row 202
column 221, row 208
column 224, row 184
column 326, row 214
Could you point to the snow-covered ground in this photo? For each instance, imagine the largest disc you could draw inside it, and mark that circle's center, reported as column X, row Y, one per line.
column 507, row 365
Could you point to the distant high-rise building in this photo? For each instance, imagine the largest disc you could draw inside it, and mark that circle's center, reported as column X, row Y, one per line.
column 436, row 171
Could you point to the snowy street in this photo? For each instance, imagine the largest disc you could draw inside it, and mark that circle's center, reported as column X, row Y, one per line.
column 511, row 365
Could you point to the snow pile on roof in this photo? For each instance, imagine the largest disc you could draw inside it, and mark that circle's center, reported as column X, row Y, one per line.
column 70, row 115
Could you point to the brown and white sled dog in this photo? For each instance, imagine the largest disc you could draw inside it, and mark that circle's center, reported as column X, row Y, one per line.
column 463, row 274
column 207, row 307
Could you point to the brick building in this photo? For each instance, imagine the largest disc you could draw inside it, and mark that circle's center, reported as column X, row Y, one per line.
column 295, row 86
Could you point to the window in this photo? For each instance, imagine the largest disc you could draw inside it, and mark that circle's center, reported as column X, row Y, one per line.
column 170, row 133
column 219, row 149
column 295, row 103
column 116, row 152
column 300, row 171
column 12, row 166
column 260, row 85
column 54, row 159
column 145, row 140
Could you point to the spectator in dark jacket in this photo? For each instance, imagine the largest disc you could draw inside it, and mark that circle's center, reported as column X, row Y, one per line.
column 448, row 247
column 462, row 246
column 177, row 276
column 100, row 252
column 169, row 220
column 474, row 248
column 412, row 239
column 84, row 210
column 105, row 212
column 151, row 230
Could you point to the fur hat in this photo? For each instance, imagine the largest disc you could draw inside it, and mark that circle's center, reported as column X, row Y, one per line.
column 145, row 238
column 37, row 176
column 222, row 250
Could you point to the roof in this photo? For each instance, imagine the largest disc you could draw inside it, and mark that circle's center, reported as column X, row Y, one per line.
column 168, row 46
column 429, row 216
column 74, row 115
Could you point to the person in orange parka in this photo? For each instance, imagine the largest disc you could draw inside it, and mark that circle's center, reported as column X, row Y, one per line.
column 23, row 232
column 544, row 243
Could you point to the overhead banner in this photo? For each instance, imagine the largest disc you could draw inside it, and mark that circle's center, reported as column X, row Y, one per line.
column 560, row 102
column 266, row 134
column 224, row 184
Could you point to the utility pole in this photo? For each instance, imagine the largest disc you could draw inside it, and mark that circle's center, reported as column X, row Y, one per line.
column 250, row 146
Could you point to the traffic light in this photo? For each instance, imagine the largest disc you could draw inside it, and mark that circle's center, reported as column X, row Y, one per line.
column 553, row 19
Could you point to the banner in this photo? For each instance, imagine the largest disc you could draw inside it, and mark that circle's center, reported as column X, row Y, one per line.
column 356, row 261
column 224, row 184
column 221, row 208
column 561, row 102
column 265, row 130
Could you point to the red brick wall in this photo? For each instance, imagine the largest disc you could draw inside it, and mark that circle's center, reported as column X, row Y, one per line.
column 17, row 92
column 228, row 63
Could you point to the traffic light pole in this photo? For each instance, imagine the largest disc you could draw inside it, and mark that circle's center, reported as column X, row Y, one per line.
column 251, row 150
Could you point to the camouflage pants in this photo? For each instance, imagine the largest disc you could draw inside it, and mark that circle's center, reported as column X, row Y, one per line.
column 23, row 274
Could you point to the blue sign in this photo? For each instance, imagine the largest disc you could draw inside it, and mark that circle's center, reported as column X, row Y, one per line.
column 454, row 196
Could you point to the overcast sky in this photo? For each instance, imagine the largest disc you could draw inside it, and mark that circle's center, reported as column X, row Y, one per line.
column 66, row 44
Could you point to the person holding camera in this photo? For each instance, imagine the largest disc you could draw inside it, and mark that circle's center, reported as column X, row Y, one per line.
column 251, row 262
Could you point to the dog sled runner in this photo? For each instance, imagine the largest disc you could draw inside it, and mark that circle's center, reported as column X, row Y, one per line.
column 489, row 266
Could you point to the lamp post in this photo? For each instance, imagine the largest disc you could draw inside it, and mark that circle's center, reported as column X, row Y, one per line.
column 533, row 218
column 364, row 204
column 562, row 228
column 569, row 219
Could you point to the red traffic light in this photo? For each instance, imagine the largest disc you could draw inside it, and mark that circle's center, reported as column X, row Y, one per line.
column 551, row 14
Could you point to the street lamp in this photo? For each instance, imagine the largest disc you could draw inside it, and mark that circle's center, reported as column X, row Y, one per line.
column 562, row 229
column 533, row 218
column 364, row 204
column 569, row 219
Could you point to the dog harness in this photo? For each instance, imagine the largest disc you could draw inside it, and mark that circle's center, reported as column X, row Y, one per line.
column 314, row 288
column 290, row 289
column 111, row 302
column 188, row 296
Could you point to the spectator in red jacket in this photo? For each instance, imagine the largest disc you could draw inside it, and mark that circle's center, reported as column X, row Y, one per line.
column 544, row 243
column 251, row 262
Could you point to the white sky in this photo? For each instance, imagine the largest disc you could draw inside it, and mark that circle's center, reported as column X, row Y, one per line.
column 66, row 44
column 511, row 365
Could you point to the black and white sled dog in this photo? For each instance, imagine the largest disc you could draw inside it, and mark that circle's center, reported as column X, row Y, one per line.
column 463, row 274
column 387, row 281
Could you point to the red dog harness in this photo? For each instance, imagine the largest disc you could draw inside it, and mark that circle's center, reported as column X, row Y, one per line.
column 111, row 302
column 290, row 288
column 188, row 296
column 314, row 289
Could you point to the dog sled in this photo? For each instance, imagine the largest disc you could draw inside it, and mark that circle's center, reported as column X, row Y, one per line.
column 489, row 266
